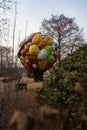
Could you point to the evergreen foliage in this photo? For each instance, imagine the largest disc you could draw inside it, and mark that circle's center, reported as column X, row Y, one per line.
column 59, row 89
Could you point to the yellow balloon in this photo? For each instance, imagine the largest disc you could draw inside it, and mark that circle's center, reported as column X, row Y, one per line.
column 50, row 41
column 42, row 64
column 22, row 59
column 34, row 50
column 36, row 38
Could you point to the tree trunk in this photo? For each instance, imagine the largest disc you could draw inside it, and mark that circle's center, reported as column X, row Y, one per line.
column 38, row 75
column 59, row 48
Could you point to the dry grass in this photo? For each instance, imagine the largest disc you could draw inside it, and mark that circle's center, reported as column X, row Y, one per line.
column 30, row 82
column 23, row 100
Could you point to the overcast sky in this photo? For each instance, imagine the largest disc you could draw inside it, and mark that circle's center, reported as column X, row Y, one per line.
column 34, row 11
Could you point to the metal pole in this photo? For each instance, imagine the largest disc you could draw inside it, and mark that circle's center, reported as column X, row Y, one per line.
column 26, row 28
column 14, row 32
column 19, row 36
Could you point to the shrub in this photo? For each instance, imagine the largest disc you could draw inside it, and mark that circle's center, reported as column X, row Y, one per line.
column 59, row 90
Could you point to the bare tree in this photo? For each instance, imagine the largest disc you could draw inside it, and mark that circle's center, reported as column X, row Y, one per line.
column 66, row 33
column 5, row 57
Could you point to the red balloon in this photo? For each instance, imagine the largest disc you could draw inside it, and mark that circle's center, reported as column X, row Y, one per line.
column 28, row 66
column 49, row 66
column 55, row 55
column 23, row 52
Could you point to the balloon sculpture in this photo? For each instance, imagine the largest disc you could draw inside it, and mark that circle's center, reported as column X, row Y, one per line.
column 36, row 52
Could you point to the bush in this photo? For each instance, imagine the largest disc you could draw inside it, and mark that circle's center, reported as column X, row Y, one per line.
column 59, row 90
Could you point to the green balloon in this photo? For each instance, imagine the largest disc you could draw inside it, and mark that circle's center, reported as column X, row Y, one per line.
column 43, row 34
column 49, row 49
column 27, row 53
column 50, row 59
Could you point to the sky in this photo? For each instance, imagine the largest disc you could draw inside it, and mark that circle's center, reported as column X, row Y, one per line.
column 33, row 12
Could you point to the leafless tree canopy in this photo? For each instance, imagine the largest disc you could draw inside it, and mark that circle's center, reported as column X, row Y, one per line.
column 5, row 56
column 65, row 31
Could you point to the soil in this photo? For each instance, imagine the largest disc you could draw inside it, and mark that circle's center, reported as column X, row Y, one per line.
column 23, row 100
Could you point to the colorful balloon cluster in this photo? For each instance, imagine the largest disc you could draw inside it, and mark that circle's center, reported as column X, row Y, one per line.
column 36, row 52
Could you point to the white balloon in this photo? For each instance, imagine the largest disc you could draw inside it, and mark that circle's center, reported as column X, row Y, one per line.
column 27, row 60
column 34, row 66
column 42, row 54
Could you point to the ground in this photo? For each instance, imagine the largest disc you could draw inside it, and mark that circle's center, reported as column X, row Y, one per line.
column 22, row 100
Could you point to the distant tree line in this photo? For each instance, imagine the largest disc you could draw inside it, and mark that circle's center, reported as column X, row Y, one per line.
column 6, row 66
column 5, row 56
